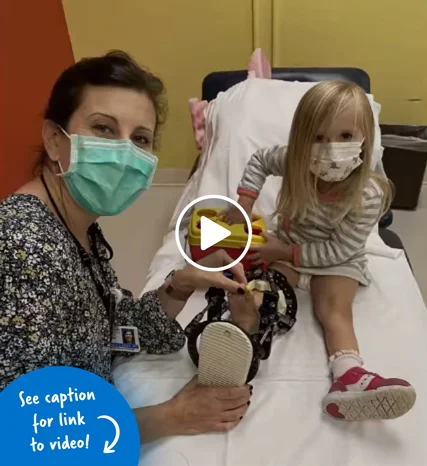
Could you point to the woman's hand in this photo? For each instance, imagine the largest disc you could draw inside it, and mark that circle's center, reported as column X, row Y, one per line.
column 192, row 278
column 271, row 251
column 194, row 410
column 197, row 409
column 244, row 311
column 233, row 215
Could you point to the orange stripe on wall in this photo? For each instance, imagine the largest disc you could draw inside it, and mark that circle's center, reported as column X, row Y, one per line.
column 34, row 49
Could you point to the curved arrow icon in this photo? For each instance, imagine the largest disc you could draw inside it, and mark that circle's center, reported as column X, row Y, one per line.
column 109, row 448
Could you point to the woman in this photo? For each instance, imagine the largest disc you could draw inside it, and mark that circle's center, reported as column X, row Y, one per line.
column 128, row 337
column 56, row 303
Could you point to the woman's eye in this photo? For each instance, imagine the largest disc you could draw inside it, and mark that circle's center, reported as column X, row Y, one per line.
column 319, row 138
column 347, row 136
column 104, row 129
column 141, row 140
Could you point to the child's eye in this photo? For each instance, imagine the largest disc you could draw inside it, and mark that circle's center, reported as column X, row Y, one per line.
column 347, row 136
column 319, row 138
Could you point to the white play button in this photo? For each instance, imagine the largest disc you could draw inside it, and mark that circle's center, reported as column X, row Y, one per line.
column 211, row 233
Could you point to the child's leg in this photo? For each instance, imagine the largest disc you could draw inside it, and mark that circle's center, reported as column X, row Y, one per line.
column 355, row 394
column 333, row 302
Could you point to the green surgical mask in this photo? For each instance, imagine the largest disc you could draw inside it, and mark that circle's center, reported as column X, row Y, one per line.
column 106, row 176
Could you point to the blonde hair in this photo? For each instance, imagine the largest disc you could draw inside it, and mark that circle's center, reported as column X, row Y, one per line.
column 318, row 107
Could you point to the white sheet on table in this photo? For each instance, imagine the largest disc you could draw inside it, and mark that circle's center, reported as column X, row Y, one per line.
column 284, row 425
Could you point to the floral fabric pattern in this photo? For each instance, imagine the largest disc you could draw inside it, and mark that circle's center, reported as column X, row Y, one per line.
column 50, row 309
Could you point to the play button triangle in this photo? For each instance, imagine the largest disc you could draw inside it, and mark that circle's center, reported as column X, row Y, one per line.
column 211, row 233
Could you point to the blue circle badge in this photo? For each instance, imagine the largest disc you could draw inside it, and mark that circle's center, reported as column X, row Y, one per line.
column 67, row 416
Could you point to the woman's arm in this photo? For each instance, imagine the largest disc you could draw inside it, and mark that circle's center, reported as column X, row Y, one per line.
column 154, row 422
column 155, row 312
column 29, row 309
column 159, row 333
column 22, row 331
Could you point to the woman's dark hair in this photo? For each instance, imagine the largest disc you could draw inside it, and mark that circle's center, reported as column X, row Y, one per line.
column 117, row 69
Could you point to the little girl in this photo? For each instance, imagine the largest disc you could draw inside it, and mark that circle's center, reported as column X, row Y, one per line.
column 328, row 204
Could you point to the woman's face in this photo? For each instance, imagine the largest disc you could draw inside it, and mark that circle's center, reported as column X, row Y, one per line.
column 107, row 112
column 128, row 337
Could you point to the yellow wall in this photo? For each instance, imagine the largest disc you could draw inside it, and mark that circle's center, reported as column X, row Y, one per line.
column 387, row 38
column 183, row 40
column 262, row 26
column 180, row 40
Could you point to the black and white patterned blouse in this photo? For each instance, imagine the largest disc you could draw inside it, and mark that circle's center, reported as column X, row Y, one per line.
column 51, row 312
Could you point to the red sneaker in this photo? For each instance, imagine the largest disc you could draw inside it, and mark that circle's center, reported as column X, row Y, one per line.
column 359, row 395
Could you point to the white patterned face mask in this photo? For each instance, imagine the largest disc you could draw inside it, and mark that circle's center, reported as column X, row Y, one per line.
column 336, row 160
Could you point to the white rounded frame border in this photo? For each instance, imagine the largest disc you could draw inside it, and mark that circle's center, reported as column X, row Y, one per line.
column 202, row 267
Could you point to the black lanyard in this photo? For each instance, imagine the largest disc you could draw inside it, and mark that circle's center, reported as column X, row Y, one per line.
column 107, row 299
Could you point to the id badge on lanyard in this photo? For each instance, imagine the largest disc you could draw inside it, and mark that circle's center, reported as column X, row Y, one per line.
column 124, row 339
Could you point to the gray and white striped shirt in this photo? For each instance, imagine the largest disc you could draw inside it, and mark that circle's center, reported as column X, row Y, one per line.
column 318, row 243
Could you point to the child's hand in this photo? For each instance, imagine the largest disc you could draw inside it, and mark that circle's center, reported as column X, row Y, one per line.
column 271, row 251
column 233, row 215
